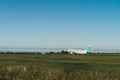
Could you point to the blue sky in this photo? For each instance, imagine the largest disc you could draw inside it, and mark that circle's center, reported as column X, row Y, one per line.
column 60, row 23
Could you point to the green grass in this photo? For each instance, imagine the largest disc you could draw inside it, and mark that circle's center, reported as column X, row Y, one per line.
column 31, row 70
column 89, row 57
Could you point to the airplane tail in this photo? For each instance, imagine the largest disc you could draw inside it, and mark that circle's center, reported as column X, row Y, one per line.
column 88, row 49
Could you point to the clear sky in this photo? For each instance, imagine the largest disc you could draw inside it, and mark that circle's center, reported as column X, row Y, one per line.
column 60, row 23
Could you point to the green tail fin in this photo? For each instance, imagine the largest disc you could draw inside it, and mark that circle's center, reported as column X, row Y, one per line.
column 88, row 49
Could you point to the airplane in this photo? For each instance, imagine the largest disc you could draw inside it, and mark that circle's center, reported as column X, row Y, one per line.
column 88, row 49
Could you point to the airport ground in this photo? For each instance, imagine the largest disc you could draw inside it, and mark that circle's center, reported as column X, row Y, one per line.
column 59, row 67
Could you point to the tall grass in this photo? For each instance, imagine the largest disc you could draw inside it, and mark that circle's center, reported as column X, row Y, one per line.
column 31, row 70
column 58, row 71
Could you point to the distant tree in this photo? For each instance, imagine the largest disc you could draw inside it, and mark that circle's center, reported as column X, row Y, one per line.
column 64, row 52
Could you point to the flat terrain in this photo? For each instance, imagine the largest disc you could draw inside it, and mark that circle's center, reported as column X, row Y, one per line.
column 88, row 58
column 59, row 67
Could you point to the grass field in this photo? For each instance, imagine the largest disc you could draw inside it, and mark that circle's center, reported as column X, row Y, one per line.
column 89, row 57
column 25, row 67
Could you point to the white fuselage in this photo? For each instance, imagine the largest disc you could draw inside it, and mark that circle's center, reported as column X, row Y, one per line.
column 77, row 51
